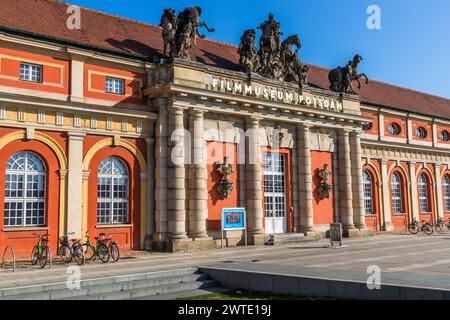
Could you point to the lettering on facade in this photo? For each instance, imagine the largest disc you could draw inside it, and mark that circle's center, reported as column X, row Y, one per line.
column 272, row 94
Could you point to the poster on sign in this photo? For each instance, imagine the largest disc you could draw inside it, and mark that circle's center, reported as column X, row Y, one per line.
column 336, row 235
column 234, row 219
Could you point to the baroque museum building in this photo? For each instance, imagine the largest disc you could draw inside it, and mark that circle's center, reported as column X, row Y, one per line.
column 100, row 131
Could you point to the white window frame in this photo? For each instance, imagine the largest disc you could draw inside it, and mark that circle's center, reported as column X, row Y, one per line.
column 115, row 85
column 397, row 194
column 368, row 193
column 273, row 208
column 107, row 203
column 424, row 196
column 446, row 190
column 24, row 200
column 31, row 72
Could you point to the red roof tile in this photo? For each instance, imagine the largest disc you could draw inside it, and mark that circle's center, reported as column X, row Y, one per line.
column 47, row 18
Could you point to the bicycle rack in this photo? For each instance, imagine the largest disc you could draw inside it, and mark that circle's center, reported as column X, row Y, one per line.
column 13, row 256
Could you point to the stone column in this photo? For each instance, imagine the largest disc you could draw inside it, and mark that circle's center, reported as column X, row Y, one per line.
column 305, row 180
column 176, row 175
column 386, row 187
column 414, row 192
column 439, row 191
column 150, row 193
column 359, row 214
column 345, row 181
column 198, row 190
column 161, row 159
column 74, row 184
column 254, row 180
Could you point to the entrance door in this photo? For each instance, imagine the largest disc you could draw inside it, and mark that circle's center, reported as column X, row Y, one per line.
column 275, row 193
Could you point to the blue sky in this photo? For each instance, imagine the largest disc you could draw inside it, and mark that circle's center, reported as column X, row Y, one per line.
column 412, row 49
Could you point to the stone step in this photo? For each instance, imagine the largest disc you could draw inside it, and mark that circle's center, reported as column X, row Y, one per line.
column 288, row 238
column 154, row 291
column 129, row 286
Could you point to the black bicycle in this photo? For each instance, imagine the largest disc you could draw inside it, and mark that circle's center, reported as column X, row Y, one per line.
column 68, row 251
column 442, row 226
column 113, row 248
column 414, row 227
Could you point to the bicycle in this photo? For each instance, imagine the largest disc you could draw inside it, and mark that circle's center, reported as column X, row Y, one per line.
column 113, row 248
column 442, row 226
column 414, row 227
column 68, row 252
column 91, row 252
column 41, row 252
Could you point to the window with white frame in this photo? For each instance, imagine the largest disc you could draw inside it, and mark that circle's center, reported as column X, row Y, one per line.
column 424, row 203
column 112, row 192
column 368, row 192
column 446, row 187
column 396, row 193
column 30, row 72
column 25, row 191
column 115, row 85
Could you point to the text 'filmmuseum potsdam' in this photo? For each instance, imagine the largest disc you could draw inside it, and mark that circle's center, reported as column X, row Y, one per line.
column 148, row 132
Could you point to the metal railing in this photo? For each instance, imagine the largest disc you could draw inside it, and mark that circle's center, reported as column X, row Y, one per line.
column 13, row 256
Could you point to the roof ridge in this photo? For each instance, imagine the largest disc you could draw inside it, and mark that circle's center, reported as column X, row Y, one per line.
column 235, row 46
column 390, row 84
column 103, row 13
column 132, row 20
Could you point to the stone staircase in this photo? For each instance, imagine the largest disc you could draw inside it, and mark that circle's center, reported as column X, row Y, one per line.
column 117, row 287
column 287, row 238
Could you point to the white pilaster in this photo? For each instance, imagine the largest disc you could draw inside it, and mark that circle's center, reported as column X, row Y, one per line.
column 386, row 186
column 413, row 189
column 74, row 183
column 438, row 190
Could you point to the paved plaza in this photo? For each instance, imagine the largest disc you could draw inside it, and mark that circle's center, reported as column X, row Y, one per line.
column 403, row 259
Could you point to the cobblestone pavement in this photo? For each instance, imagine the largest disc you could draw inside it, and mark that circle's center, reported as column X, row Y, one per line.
column 416, row 260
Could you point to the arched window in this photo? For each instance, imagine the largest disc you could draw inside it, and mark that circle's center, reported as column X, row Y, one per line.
column 112, row 192
column 25, row 191
column 423, row 194
column 446, row 187
column 396, row 193
column 368, row 192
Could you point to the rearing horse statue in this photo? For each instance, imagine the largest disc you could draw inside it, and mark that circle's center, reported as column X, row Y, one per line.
column 341, row 78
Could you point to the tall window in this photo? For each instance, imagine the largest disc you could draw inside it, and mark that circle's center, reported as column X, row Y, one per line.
column 30, row 72
column 424, row 203
column 114, row 85
column 368, row 192
column 24, row 191
column 112, row 192
column 396, row 193
column 446, row 187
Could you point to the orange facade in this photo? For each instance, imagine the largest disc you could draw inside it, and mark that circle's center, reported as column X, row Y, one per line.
column 216, row 151
column 323, row 209
column 55, row 72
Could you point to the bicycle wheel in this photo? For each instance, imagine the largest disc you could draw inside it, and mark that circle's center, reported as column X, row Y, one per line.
column 34, row 256
column 440, row 227
column 114, row 251
column 88, row 251
column 65, row 253
column 413, row 228
column 103, row 253
column 427, row 228
column 78, row 254
column 45, row 256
